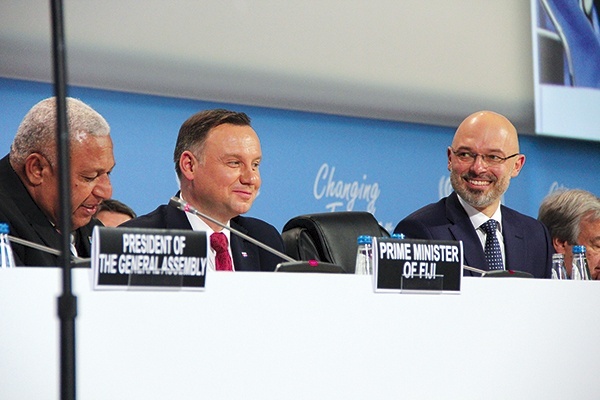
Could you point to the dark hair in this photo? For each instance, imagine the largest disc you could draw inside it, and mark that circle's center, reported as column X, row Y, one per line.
column 194, row 130
column 116, row 206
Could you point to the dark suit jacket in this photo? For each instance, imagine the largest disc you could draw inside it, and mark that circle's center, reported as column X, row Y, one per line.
column 527, row 243
column 27, row 221
column 246, row 255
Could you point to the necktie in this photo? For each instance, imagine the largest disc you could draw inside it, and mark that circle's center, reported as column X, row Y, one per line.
column 218, row 241
column 493, row 255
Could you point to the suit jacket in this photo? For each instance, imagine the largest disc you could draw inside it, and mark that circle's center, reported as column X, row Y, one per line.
column 246, row 255
column 527, row 243
column 27, row 221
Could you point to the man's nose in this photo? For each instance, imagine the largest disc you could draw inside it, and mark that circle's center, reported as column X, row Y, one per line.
column 479, row 165
column 250, row 176
column 103, row 188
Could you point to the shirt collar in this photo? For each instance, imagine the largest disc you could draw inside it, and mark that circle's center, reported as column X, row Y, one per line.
column 198, row 224
column 477, row 217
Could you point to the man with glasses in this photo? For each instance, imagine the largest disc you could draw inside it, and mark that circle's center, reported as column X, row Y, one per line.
column 482, row 159
column 29, row 177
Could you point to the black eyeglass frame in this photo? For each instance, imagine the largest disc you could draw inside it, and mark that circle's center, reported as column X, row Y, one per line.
column 486, row 158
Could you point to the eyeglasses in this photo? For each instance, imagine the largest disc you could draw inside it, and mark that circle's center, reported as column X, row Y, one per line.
column 488, row 159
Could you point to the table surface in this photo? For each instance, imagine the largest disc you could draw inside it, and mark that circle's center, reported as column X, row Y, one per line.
column 299, row 336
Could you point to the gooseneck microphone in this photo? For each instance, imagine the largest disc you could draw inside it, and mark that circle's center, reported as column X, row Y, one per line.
column 473, row 269
column 34, row 245
column 46, row 249
column 501, row 273
column 290, row 266
column 179, row 203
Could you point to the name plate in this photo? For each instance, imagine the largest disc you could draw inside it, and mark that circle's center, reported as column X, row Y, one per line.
column 413, row 265
column 136, row 258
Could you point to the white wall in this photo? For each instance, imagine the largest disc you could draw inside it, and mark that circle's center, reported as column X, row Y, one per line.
column 417, row 61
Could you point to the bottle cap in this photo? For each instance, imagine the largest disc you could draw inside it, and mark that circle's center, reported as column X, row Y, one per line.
column 578, row 249
column 558, row 256
column 364, row 239
column 4, row 228
column 398, row 236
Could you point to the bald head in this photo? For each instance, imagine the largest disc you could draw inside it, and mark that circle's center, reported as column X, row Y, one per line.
column 490, row 128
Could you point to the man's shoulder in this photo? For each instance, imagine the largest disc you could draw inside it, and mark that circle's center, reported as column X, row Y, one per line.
column 155, row 219
column 253, row 224
column 263, row 232
column 8, row 179
column 513, row 216
column 430, row 212
column 5, row 161
column 259, row 230
column 430, row 221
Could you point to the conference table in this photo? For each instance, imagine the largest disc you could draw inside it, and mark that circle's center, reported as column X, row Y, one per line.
column 255, row 335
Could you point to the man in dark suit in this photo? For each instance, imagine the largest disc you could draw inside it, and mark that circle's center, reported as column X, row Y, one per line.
column 573, row 218
column 217, row 158
column 29, row 196
column 484, row 156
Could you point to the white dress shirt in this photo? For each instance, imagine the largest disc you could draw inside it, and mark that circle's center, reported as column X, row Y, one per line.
column 200, row 226
column 478, row 218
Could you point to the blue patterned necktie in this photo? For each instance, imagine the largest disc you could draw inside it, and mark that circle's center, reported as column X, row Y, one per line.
column 493, row 255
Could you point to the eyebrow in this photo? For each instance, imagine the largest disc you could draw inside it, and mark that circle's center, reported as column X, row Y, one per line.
column 469, row 149
column 99, row 170
column 239, row 155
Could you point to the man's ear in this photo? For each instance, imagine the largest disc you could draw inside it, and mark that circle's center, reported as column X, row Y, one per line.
column 35, row 164
column 559, row 245
column 188, row 163
column 518, row 165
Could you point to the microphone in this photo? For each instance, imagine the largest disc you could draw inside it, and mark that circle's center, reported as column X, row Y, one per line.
column 46, row 249
column 473, row 269
column 501, row 273
column 291, row 265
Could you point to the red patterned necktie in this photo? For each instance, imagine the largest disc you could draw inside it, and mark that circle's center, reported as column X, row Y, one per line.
column 218, row 241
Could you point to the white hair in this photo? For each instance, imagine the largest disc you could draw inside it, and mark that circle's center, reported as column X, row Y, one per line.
column 37, row 131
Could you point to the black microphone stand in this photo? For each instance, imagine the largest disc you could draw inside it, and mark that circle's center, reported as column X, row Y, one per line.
column 67, row 302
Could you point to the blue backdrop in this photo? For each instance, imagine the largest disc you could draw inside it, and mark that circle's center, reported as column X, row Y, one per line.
column 311, row 162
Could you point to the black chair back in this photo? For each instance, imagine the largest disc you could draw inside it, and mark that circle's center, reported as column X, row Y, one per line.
column 329, row 237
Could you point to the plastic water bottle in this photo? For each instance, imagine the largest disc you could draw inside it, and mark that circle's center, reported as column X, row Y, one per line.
column 580, row 266
column 7, row 260
column 364, row 256
column 558, row 266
